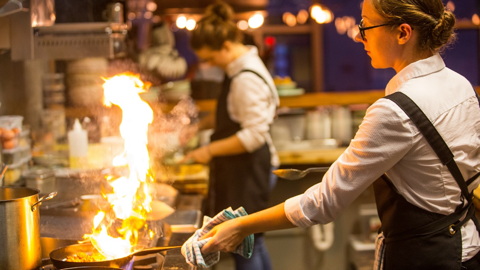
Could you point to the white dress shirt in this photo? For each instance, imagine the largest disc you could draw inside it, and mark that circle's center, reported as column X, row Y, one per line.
column 389, row 142
column 252, row 103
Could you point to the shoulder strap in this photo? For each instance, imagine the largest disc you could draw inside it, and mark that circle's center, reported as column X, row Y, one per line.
column 261, row 77
column 432, row 136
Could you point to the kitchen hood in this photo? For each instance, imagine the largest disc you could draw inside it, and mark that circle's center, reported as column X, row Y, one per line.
column 64, row 41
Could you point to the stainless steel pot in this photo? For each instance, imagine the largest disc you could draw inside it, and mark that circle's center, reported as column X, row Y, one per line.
column 20, row 229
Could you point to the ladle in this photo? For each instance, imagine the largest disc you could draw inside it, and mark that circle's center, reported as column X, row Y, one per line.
column 294, row 174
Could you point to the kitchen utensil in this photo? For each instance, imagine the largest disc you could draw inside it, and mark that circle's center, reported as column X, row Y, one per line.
column 58, row 256
column 2, row 173
column 20, row 229
column 294, row 174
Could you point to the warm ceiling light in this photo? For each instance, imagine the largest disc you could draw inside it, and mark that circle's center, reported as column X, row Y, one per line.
column 475, row 19
column 242, row 25
column 191, row 23
column 344, row 24
column 289, row 19
column 450, row 6
column 181, row 22
column 256, row 21
column 151, row 6
column 302, row 16
column 321, row 14
column 148, row 15
column 131, row 16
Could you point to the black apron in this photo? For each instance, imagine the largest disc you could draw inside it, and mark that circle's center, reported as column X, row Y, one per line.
column 237, row 180
column 416, row 238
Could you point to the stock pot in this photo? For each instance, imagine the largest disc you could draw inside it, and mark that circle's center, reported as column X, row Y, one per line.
column 20, row 229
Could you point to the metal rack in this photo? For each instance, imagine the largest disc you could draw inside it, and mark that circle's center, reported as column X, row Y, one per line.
column 66, row 40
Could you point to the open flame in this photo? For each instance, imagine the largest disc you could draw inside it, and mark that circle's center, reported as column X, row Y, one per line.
column 123, row 228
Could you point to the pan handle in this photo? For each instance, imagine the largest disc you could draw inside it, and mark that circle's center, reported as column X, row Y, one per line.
column 42, row 199
column 153, row 250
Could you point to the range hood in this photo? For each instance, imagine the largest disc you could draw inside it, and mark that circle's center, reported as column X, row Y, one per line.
column 65, row 41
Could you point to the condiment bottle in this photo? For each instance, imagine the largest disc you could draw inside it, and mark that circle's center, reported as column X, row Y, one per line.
column 78, row 146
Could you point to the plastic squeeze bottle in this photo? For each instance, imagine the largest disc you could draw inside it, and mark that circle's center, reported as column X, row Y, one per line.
column 78, row 146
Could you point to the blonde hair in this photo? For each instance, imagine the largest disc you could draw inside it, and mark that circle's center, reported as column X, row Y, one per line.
column 215, row 27
column 429, row 17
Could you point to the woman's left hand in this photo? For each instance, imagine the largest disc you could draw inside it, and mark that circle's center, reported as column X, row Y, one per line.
column 226, row 237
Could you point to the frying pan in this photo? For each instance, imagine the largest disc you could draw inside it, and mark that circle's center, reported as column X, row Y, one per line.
column 58, row 256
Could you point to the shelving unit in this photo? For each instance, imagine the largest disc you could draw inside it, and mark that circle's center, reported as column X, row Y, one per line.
column 310, row 100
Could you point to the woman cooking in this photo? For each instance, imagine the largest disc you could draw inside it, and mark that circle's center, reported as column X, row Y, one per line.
column 241, row 152
column 423, row 161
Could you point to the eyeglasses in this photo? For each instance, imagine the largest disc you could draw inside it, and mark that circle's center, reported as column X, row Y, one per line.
column 362, row 29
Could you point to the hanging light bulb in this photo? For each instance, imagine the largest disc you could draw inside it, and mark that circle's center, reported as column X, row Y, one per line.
column 242, row 25
column 321, row 14
column 302, row 16
column 289, row 19
column 181, row 22
column 190, row 25
column 476, row 19
column 256, row 21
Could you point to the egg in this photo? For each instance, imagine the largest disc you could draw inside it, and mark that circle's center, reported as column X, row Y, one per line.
column 10, row 144
column 8, row 134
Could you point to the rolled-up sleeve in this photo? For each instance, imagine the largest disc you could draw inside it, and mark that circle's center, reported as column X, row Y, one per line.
column 251, row 105
column 295, row 213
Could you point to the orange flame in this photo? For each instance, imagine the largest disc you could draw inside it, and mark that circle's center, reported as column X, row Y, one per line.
column 119, row 230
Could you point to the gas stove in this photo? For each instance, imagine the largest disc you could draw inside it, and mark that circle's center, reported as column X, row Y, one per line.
column 62, row 228
column 147, row 262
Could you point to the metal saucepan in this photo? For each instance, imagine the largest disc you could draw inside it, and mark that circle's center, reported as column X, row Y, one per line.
column 20, row 228
column 58, row 256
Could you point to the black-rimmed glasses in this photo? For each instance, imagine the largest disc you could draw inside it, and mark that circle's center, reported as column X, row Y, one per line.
column 362, row 29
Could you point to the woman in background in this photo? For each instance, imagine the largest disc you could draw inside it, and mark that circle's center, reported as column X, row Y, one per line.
column 241, row 153
column 424, row 200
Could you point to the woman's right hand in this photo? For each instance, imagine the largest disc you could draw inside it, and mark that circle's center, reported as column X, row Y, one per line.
column 200, row 155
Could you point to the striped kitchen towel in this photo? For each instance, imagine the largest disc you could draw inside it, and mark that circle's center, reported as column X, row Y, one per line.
column 191, row 249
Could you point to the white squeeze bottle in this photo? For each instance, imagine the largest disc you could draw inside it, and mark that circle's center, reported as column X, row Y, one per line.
column 78, row 146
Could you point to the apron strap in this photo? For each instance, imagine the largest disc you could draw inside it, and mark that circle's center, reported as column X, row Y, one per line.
column 433, row 137
column 444, row 153
column 263, row 79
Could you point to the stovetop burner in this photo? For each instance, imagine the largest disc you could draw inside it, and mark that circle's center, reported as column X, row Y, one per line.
column 146, row 262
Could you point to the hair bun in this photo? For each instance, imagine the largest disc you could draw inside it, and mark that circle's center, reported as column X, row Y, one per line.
column 220, row 11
